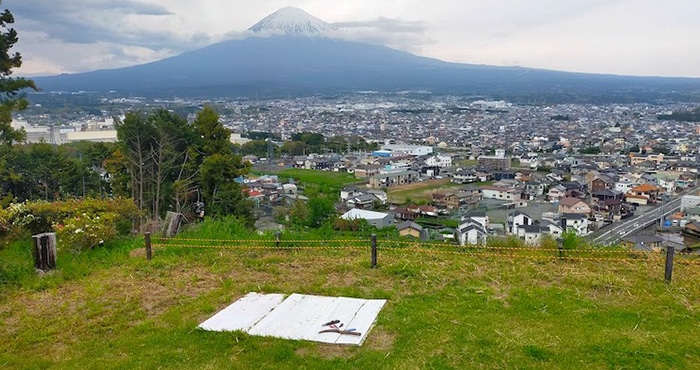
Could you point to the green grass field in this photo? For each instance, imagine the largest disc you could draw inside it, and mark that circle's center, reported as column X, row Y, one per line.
column 336, row 179
column 110, row 309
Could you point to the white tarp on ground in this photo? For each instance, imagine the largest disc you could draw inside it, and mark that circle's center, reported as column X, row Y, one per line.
column 298, row 317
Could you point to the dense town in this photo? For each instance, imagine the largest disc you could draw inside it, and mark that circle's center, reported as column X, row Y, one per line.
column 527, row 170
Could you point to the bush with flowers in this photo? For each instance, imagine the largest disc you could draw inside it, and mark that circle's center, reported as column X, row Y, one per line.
column 90, row 220
column 82, row 232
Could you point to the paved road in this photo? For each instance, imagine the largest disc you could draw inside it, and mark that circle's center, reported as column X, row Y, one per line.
column 613, row 233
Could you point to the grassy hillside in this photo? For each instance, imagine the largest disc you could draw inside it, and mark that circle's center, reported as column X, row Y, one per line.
column 110, row 308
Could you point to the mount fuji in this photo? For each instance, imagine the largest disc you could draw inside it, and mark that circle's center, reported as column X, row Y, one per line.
column 291, row 52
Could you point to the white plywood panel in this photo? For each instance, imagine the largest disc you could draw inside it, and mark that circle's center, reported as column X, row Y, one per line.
column 298, row 317
column 244, row 313
column 363, row 321
column 302, row 317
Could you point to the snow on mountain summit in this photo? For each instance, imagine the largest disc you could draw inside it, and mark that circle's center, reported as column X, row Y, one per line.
column 292, row 22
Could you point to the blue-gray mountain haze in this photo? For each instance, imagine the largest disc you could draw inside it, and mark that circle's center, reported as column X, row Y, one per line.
column 289, row 52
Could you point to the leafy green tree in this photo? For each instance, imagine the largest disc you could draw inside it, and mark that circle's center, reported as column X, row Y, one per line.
column 213, row 136
column 222, row 194
column 321, row 210
column 12, row 96
column 256, row 147
column 295, row 148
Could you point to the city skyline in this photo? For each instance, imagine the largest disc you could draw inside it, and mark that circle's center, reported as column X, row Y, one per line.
column 616, row 37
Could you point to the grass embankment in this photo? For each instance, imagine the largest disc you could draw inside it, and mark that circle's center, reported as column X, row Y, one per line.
column 110, row 308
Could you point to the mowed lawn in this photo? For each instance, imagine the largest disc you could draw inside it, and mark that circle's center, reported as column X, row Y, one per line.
column 336, row 179
column 110, row 308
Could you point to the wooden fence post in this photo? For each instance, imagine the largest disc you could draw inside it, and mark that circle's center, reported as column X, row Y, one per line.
column 149, row 250
column 560, row 247
column 374, row 250
column 669, row 263
column 277, row 239
column 44, row 251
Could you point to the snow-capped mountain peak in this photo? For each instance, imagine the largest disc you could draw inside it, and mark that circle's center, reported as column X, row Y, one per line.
column 292, row 22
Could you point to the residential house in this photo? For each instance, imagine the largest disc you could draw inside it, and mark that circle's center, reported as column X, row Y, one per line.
column 637, row 158
column 379, row 194
column 602, row 183
column 575, row 222
column 465, row 177
column 517, row 220
column 551, row 228
column 471, row 232
column 574, row 205
column 643, row 242
column 367, row 171
column 412, row 229
column 605, row 194
column 643, row 194
column 625, row 184
column 447, row 200
column 349, row 192
column 532, row 234
column 535, row 188
column 403, row 213
column 363, row 201
column 494, row 192
column 480, row 217
column 556, row 193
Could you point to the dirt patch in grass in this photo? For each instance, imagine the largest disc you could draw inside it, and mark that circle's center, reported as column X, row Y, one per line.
column 327, row 351
column 379, row 339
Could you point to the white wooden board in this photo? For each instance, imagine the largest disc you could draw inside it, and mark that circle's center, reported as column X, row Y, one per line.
column 244, row 313
column 300, row 317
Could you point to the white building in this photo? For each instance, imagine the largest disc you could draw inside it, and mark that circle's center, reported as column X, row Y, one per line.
column 471, row 232
column 689, row 201
column 439, row 161
column 378, row 219
column 494, row 192
column 576, row 222
column 405, row 149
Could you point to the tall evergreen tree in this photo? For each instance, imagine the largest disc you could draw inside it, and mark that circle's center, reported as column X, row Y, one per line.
column 11, row 93
column 219, row 167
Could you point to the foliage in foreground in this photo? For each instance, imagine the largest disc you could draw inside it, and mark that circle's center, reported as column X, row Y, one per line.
column 79, row 224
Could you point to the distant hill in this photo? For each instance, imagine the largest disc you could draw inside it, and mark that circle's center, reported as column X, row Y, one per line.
column 289, row 52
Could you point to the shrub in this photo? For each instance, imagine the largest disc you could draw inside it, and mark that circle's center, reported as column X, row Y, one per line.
column 79, row 233
column 90, row 220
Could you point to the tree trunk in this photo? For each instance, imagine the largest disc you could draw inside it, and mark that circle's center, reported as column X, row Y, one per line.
column 172, row 224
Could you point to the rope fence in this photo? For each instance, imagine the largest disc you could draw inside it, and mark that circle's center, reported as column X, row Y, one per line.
column 374, row 246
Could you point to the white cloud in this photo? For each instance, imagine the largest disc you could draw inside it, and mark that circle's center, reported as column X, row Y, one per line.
column 644, row 37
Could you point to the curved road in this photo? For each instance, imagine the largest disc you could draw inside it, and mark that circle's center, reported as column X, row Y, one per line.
column 614, row 232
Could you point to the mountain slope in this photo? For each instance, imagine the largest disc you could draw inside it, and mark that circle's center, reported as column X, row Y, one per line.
column 290, row 53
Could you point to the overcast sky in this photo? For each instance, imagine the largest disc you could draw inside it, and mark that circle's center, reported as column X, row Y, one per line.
column 632, row 37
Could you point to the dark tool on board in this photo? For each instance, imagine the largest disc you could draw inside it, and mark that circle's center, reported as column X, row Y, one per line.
column 340, row 331
column 331, row 323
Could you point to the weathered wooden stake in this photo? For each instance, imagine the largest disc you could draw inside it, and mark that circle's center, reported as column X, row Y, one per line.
column 277, row 239
column 669, row 263
column 44, row 251
column 560, row 247
column 149, row 251
column 374, row 250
